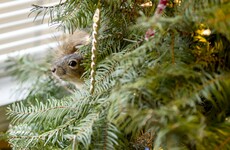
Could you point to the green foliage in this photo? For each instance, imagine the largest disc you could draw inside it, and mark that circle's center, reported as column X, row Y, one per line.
column 174, row 86
column 37, row 78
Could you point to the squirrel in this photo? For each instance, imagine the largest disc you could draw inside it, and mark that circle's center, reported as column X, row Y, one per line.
column 68, row 63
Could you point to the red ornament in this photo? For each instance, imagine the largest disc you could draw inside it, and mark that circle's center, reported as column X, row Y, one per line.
column 149, row 33
column 160, row 7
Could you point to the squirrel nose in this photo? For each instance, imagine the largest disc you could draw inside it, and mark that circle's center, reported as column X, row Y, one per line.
column 53, row 70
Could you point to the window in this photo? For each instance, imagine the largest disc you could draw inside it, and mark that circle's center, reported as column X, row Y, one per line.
column 20, row 35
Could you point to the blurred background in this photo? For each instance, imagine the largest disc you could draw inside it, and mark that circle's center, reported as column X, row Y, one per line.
column 20, row 35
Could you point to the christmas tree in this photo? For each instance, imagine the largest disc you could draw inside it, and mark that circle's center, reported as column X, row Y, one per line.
column 160, row 79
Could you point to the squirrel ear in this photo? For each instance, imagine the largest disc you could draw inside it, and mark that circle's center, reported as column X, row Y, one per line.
column 78, row 46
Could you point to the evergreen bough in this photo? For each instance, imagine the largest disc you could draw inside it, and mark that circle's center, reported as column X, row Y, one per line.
column 170, row 92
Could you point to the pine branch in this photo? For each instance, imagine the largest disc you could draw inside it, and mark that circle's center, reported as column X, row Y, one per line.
column 70, row 14
column 31, row 138
column 40, row 111
column 138, row 88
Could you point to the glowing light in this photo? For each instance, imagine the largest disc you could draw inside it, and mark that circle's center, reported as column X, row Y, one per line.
column 147, row 4
column 177, row 2
column 206, row 32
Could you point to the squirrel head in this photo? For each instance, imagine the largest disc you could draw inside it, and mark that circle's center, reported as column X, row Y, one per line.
column 69, row 68
column 68, row 65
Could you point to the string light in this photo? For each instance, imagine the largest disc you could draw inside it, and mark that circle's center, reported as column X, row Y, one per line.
column 147, row 4
column 206, row 32
column 178, row 2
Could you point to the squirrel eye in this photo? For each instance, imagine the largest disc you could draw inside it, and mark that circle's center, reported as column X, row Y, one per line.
column 72, row 63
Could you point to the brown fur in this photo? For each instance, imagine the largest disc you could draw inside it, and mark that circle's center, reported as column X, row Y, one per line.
column 68, row 62
column 70, row 41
